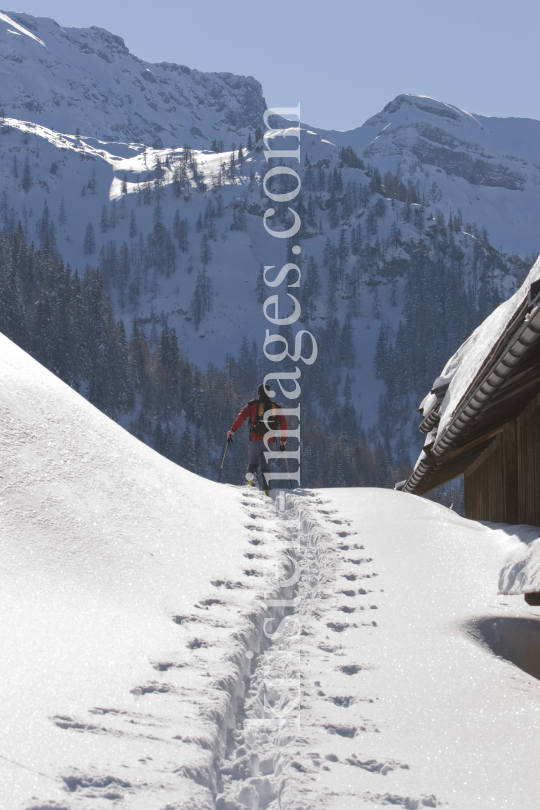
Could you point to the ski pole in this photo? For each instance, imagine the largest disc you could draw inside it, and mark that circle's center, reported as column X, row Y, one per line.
column 287, row 465
column 229, row 441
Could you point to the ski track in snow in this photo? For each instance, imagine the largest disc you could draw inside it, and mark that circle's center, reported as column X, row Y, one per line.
column 130, row 591
column 390, row 684
column 133, row 591
column 271, row 760
column 345, row 710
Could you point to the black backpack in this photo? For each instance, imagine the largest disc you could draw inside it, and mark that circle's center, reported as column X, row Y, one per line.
column 259, row 424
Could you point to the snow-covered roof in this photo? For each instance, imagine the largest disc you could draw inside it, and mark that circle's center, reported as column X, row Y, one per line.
column 476, row 364
column 472, row 375
column 465, row 365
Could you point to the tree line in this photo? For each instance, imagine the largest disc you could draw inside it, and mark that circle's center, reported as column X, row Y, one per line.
column 66, row 322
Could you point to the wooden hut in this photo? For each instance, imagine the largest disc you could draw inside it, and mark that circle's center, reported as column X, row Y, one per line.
column 482, row 419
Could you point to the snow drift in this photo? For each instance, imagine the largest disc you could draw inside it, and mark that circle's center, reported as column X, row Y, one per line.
column 130, row 591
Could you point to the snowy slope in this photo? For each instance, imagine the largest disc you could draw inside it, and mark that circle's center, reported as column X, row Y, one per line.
column 130, row 590
column 483, row 169
column 418, row 684
column 237, row 256
column 487, row 166
column 66, row 78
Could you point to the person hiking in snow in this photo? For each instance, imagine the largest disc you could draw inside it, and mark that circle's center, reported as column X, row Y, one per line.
column 255, row 411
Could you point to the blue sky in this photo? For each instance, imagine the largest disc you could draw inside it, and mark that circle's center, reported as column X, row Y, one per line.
column 343, row 60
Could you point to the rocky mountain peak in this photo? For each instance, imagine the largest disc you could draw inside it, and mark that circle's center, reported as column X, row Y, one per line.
column 86, row 78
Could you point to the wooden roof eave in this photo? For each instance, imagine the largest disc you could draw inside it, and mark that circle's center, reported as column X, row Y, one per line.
column 432, row 420
column 455, row 463
column 516, row 341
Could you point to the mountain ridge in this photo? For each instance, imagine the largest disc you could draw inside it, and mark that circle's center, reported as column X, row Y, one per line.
column 69, row 78
column 404, row 250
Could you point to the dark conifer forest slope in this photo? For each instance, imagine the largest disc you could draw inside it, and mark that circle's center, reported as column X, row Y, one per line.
column 132, row 247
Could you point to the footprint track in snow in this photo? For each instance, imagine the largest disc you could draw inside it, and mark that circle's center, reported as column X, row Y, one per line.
column 329, row 648
column 226, row 583
column 339, row 627
column 184, row 619
column 69, row 723
column 341, row 730
column 76, row 781
column 313, row 550
column 134, row 717
column 319, row 548
column 342, row 700
column 407, row 802
column 375, row 766
column 154, row 687
column 164, row 666
column 354, row 669
column 197, row 644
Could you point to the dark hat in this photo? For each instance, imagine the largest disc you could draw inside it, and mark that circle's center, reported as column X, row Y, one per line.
column 263, row 391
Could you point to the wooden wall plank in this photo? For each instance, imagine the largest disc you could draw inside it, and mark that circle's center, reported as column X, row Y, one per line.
column 484, row 485
column 528, row 444
column 510, row 471
column 503, row 483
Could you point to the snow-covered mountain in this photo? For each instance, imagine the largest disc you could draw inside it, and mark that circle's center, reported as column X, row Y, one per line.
column 142, row 660
column 475, row 162
column 86, row 78
column 415, row 225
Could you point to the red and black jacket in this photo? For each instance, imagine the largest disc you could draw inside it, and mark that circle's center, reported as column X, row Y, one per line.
column 250, row 412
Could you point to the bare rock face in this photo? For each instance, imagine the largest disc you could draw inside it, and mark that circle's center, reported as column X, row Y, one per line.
column 86, row 78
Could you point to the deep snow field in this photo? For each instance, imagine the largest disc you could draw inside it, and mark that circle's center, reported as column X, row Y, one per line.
column 133, row 601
